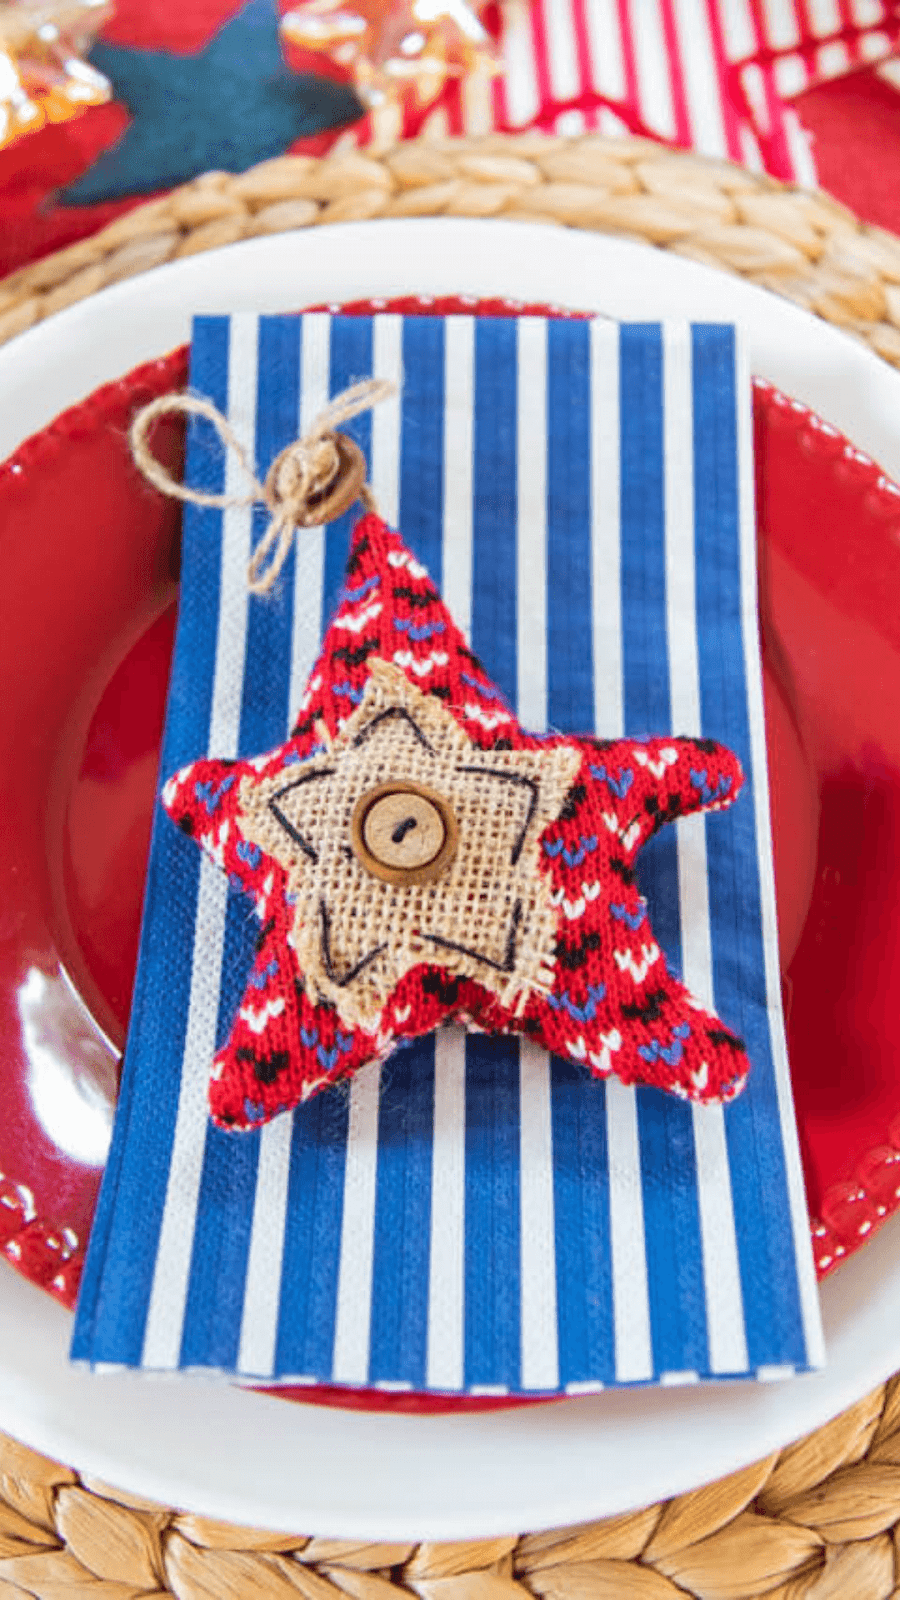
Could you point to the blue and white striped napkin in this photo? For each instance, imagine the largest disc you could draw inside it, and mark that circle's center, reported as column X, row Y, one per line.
column 474, row 1217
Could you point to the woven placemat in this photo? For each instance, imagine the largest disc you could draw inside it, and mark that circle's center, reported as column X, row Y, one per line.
column 804, row 246
column 817, row 1521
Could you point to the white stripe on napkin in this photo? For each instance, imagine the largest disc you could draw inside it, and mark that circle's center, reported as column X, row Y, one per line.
column 445, row 1359
column 387, row 362
column 628, row 1257
column 537, row 1244
column 531, row 542
column 606, row 577
column 352, row 1334
column 459, row 409
column 309, row 546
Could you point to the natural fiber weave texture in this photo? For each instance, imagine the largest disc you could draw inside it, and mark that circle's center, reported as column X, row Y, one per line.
column 805, row 246
column 818, row 1521
column 367, row 911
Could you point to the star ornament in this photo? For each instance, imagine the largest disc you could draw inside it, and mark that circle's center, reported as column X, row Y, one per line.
column 388, row 46
column 415, row 858
column 231, row 104
column 43, row 76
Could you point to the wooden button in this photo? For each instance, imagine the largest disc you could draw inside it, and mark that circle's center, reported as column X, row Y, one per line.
column 404, row 833
column 344, row 488
column 333, row 497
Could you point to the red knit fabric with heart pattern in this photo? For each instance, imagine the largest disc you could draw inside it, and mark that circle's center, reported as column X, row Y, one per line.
column 612, row 1005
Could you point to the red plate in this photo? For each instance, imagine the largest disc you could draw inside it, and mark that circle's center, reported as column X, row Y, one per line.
column 87, row 609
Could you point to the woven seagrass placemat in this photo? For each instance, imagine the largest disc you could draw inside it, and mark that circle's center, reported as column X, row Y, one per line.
column 817, row 1521
column 805, row 246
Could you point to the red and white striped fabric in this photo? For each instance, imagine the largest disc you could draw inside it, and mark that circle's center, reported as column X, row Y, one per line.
column 713, row 75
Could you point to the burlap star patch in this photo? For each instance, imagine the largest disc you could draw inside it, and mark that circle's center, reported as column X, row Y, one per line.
column 433, row 825
column 415, row 857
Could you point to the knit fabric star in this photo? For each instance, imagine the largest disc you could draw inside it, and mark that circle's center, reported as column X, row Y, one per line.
column 415, row 857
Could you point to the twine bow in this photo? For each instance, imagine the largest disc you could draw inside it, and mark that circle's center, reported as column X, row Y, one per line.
column 294, row 484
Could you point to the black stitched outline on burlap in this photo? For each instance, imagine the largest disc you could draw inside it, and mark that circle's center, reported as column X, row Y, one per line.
column 285, row 822
column 508, row 963
column 326, row 952
column 383, row 716
column 512, row 777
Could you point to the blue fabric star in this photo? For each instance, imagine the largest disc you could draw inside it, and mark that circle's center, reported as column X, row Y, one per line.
column 232, row 105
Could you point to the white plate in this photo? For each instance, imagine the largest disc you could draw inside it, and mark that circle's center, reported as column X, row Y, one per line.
column 246, row 1457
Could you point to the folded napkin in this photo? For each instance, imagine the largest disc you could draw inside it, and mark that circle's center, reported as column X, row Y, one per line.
column 472, row 1216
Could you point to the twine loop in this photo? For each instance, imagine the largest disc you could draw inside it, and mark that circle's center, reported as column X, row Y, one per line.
column 311, row 481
